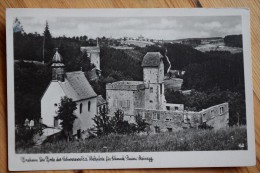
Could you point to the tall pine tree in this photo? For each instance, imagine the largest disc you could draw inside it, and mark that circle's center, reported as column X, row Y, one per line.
column 48, row 46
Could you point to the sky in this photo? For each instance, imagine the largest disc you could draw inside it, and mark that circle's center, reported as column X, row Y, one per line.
column 166, row 28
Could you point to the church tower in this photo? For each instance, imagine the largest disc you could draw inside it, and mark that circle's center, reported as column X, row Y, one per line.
column 153, row 74
column 93, row 53
column 58, row 71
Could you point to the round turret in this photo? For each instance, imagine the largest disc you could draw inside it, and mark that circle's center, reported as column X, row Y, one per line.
column 58, row 71
column 57, row 57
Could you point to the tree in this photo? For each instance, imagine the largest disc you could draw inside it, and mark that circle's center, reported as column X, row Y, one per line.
column 103, row 123
column 140, row 123
column 47, row 44
column 66, row 114
column 17, row 27
column 121, row 126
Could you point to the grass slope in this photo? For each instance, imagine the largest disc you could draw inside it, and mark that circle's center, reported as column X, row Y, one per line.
column 186, row 140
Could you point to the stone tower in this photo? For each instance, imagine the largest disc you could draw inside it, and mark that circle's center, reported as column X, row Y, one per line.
column 93, row 53
column 58, row 68
column 153, row 74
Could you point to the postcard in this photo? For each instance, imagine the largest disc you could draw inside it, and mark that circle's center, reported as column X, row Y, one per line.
column 129, row 88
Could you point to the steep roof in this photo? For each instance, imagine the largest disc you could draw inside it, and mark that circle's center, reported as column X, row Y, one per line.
column 92, row 74
column 100, row 100
column 152, row 59
column 77, row 87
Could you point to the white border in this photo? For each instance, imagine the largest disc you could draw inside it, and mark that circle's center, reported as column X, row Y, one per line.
column 161, row 159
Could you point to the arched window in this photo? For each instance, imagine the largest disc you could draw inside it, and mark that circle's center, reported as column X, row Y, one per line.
column 80, row 108
column 89, row 104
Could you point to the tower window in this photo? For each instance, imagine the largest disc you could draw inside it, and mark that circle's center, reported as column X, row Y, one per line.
column 151, row 89
column 89, row 104
column 80, row 108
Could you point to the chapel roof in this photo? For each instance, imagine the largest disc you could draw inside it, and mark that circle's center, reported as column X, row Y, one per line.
column 77, row 87
column 152, row 59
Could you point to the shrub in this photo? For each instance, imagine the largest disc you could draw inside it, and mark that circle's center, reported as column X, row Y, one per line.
column 106, row 125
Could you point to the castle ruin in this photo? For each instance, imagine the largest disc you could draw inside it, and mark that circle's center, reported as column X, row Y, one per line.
column 147, row 98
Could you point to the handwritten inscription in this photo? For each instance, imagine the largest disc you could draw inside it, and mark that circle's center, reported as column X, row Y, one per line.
column 87, row 158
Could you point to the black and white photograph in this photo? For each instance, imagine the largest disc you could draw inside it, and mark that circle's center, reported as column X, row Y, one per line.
column 148, row 82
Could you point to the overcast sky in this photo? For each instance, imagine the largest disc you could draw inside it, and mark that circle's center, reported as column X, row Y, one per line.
column 166, row 28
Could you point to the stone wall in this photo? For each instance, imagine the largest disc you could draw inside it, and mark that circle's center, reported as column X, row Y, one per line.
column 168, row 120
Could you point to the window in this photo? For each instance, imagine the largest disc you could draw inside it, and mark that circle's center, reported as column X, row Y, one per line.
column 203, row 118
column 147, row 115
column 168, row 119
column 89, row 104
column 176, row 108
column 151, row 89
column 79, row 133
column 168, row 108
column 169, row 129
column 80, row 108
column 151, row 101
column 158, row 116
column 157, row 129
column 56, row 122
column 120, row 103
column 161, row 88
column 155, row 116
column 128, row 103
column 221, row 110
column 143, row 115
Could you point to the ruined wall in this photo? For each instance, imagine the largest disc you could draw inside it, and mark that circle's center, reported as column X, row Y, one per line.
column 167, row 120
column 162, row 120
column 216, row 116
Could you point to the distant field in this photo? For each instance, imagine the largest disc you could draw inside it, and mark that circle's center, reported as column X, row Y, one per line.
column 220, row 47
column 185, row 140
column 173, row 83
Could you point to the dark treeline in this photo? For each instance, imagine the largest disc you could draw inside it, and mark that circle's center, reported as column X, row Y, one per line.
column 233, row 40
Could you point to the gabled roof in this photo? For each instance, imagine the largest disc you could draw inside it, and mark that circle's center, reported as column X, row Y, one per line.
column 152, row 59
column 92, row 74
column 77, row 87
column 100, row 100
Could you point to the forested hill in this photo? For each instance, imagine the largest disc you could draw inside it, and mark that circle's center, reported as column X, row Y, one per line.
column 207, row 70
